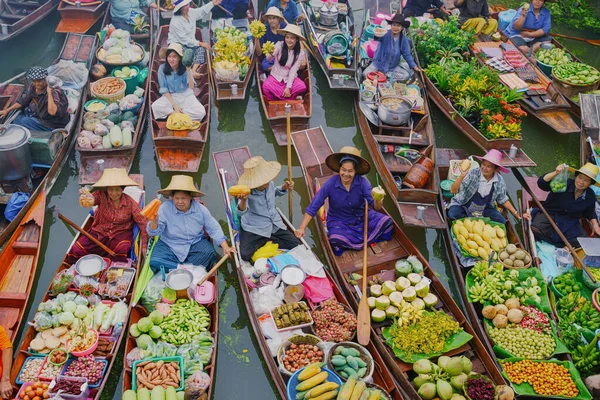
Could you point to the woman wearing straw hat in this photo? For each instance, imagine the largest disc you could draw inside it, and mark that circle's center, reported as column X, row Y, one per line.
column 176, row 84
column 346, row 193
column 394, row 46
column 283, row 82
column 288, row 9
column 530, row 27
column 182, row 29
column 567, row 208
column 260, row 220
column 477, row 191
column 181, row 223
column 113, row 218
column 275, row 23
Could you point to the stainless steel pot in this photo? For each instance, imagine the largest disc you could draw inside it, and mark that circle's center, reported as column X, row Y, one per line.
column 328, row 16
column 395, row 117
column 15, row 159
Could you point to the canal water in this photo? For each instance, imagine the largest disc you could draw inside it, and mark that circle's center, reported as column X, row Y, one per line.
column 240, row 371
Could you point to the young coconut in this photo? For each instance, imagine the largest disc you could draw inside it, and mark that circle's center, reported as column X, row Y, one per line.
column 505, row 392
column 388, row 287
column 378, row 315
column 515, row 316
column 375, row 290
column 382, row 302
column 409, row 294
column 422, row 289
column 414, row 278
column 489, row 312
column 421, row 379
column 430, row 300
column 395, row 298
column 457, row 396
column 444, row 389
column 501, row 309
column 458, row 381
column 500, row 321
column 371, row 302
column 418, row 304
column 511, row 303
column 402, row 284
column 391, row 311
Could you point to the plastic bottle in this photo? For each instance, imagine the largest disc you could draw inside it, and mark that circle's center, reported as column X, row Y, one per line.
column 117, row 330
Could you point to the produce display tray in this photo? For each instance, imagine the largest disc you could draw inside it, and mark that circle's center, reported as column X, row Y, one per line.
column 18, row 381
column 289, row 328
column 60, row 371
column 126, row 270
column 177, row 359
column 97, row 384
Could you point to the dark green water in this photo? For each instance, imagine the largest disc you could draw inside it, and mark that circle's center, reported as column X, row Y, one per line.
column 240, row 371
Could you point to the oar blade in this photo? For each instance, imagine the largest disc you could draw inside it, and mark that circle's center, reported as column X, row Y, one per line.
column 363, row 325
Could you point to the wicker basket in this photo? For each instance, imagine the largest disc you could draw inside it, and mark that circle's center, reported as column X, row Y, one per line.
column 348, row 310
column 123, row 64
column 569, row 90
column 297, row 339
column 384, row 394
column 109, row 98
column 485, row 378
column 513, row 267
column 364, row 355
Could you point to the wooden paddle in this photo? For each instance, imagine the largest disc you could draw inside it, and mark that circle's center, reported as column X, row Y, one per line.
column 364, row 316
column 595, row 42
column 212, row 271
column 87, row 235
column 224, row 9
column 288, row 113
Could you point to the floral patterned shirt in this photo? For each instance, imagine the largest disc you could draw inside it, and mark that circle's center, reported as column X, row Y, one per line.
column 470, row 185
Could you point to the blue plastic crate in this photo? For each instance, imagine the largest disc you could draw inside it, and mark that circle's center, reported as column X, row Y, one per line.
column 70, row 360
column 20, row 382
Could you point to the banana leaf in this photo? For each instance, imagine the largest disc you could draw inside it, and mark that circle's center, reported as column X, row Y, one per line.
column 145, row 275
column 455, row 341
column 487, row 221
column 525, row 389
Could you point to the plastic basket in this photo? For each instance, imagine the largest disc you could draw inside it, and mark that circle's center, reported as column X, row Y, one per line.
column 177, row 359
column 297, row 339
column 131, row 82
column 109, row 339
column 18, row 381
column 83, row 381
column 61, row 369
column 347, row 309
column 596, row 299
column 109, row 98
column 97, row 384
column 364, row 355
column 87, row 351
column 88, row 103
column 546, row 68
column 293, row 382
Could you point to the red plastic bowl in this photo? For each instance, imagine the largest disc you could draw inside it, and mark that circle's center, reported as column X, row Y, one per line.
column 380, row 76
column 85, row 352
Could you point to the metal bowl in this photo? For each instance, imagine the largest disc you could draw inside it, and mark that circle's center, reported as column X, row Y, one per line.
column 90, row 265
column 179, row 274
column 290, row 280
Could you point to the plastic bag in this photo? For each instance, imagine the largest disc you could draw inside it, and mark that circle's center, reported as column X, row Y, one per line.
column 558, row 184
column 127, row 125
column 133, row 356
column 267, row 251
column 227, row 71
column 73, row 75
column 16, row 202
column 54, row 82
column 101, row 130
column 196, row 385
column 266, row 298
column 62, row 281
column 42, row 321
column 153, row 292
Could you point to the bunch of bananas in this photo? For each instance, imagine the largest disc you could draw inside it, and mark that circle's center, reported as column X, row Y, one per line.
column 231, row 47
column 407, row 314
column 258, row 29
column 229, row 32
column 495, row 284
column 268, row 48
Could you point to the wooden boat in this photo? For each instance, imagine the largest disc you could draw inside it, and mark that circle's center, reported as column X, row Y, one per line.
column 18, row 263
column 223, row 89
column 552, row 108
column 79, row 16
column 78, row 48
column 230, row 165
column 333, row 67
column 119, row 157
column 312, row 148
column 18, row 16
column 23, row 353
column 590, row 127
column 181, row 151
column 301, row 110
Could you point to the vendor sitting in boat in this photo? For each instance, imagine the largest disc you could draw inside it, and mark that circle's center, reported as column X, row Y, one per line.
column 275, row 22
column 393, row 46
column 235, row 9
column 283, row 82
column 6, row 348
column 176, row 84
column 416, row 8
column 44, row 107
column 475, row 15
column 260, row 220
column 182, row 30
column 347, row 192
column 181, row 223
column 478, row 190
column 123, row 12
column 288, row 9
column 567, row 208
column 530, row 27
column 113, row 218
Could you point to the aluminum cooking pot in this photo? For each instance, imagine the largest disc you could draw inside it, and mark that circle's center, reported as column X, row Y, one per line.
column 395, row 117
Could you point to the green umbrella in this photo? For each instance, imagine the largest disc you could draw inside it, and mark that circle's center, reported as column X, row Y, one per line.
column 145, row 275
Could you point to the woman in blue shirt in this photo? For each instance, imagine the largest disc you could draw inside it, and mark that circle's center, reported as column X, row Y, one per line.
column 123, row 12
column 391, row 46
column 260, row 220
column 181, row 223
column 530, row 27
column 176, row 84
column 275, row 22
column 567, row 208
column 288, row 8
column 346, row 193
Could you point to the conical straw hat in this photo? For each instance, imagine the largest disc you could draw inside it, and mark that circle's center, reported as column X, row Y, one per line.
column 333, row 160
column 293, row 29
column 114, row 177
column 181, row 182
column 258, row 172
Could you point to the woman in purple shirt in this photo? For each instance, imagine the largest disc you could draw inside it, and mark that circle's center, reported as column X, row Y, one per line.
column 347, row 193
column 530, row 27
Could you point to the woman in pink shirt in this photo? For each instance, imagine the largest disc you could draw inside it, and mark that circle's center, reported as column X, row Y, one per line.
column 283, row 82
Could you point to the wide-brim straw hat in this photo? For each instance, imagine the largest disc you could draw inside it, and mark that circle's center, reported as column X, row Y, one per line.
column 399, row 19
column 333, row 160
column 114, row 177
column 183, row 183
column 258, row 172
column 179, row 4
column 495, row 157
column 293, row 29
column 590, row 170
column 162, row 53
column 274, row 12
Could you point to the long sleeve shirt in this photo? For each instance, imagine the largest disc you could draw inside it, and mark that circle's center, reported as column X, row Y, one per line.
column 389, row 50
column 471, row 184
column 473, row 9
column 290, row 13
column 289, row 71
column 532, row 23
column 346, row 205
column 38, row 103
column 183, row 31
column 260, row 216
column 180, row 230
column 271, row 36
column 172, row 83
column 122, row 9
column 565, row 203
column 110, row 221
column 231, row 5
column 420, row 7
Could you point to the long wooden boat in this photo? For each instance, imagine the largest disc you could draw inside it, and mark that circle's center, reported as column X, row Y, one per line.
column 117, row 157
column 174, row 152
column 333, row 67
column 301, row 110
column 554, row 112
column 18, row 16
column 229, row 165
column 79, row 16
column 24, row 350
column 223, row 89
column 18, row 263
column 77, row 48
column 312, row 148
column 590, row 127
